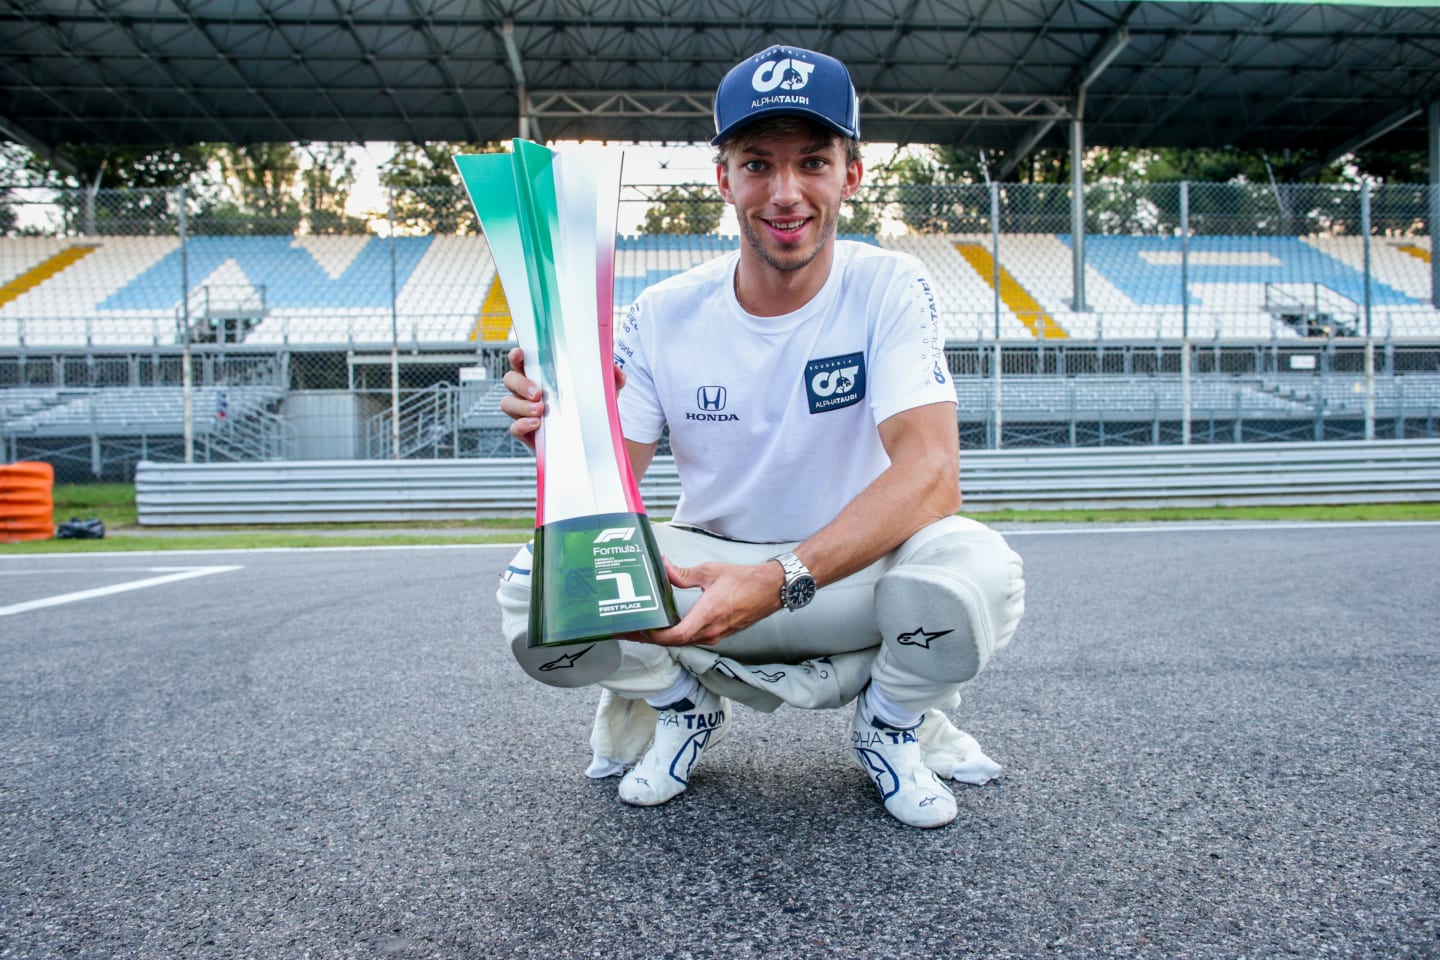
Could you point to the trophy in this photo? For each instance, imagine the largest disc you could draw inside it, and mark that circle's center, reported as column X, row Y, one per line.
column 550, row 221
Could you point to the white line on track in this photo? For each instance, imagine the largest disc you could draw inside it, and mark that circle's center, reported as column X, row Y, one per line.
column 209, row 550
column 1008, row 528
column 179, row 573
column 55, row 572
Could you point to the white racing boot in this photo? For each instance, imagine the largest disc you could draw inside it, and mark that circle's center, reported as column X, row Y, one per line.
column 913, row 794
column 682, row 732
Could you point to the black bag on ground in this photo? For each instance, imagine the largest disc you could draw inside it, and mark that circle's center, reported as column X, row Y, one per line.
column 90, row 528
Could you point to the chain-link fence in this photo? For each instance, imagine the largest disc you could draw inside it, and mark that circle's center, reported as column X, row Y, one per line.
column 171, row 324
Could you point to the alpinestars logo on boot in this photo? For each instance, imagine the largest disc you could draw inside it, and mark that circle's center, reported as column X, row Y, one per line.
column 921, row 637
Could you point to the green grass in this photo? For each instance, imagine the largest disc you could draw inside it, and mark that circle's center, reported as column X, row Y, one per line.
column 246, row 539
column 114, row 504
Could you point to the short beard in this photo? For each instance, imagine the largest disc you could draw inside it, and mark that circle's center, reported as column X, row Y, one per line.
column 827, row 230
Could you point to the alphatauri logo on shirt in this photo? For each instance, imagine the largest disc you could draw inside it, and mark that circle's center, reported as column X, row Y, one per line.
column 835, row 382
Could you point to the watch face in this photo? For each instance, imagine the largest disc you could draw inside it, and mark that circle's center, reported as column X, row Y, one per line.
column 799, row 592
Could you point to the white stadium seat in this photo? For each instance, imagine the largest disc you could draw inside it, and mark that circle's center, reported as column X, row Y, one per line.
column 318, row 290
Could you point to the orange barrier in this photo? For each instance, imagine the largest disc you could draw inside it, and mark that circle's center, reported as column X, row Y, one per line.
column 27, row 501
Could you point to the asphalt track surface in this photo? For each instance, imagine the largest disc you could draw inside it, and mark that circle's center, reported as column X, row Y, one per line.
column 1219, row 742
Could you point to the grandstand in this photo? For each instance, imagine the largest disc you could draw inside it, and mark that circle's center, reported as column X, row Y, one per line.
column 294, row 336
column 130, row 291
column 133, row 291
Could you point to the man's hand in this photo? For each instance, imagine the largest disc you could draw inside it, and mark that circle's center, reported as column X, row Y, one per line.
column 733, row 596
column 525, row 404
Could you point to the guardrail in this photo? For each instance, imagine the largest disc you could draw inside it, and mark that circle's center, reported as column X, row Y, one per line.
column 172, row 494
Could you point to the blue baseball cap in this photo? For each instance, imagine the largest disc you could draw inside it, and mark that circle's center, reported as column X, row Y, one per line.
column 787, row 80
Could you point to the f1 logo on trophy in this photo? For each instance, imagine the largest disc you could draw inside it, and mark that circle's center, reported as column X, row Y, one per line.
column 550, row 221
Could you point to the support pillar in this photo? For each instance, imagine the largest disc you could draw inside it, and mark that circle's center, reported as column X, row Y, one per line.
column 1077, row 204
column 1365, row 228
column 1185, row 400
column 1432, row 144
column 998, row 411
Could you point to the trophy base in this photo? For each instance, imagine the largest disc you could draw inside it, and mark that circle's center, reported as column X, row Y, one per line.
column 595, row 577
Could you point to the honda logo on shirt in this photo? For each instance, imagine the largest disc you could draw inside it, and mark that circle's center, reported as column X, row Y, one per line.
column 711, row 401
column 710, row 398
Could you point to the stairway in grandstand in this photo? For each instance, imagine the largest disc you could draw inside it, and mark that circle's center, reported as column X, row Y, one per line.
column 436, row 420
column 38, row 274
column 1029, row 312
column 494, row 323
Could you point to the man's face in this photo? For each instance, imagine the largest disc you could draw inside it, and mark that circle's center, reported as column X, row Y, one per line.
column 787, row 190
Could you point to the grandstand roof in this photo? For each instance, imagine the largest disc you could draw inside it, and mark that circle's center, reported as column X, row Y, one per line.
column 990, row 73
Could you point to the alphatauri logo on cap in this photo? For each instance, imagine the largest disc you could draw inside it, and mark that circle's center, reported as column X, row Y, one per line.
column 788, row 74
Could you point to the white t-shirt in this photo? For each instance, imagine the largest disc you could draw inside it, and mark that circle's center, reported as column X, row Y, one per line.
column 773, row 420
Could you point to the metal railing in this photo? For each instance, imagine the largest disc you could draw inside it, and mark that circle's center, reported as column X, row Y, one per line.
column 257, row 434
column 130, row 407
column 170, row 494
column 429, row 426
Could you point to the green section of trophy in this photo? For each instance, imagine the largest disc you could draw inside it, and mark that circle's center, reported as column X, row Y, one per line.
column 595, row 577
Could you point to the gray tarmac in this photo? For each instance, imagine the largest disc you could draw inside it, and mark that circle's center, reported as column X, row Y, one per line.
column 1219, row 741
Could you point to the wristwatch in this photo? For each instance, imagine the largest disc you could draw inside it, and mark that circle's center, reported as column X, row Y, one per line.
column 799, row 588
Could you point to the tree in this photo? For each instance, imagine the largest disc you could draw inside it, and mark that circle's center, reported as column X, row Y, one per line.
column 122, row 190
column 271, row 189
column 1135, row 190
column 263, row 188
column 265, row 180
column 428, row 195
column 684, row 209
column 861, row 214
column 327, row 181
column 14, row 172
column 1044, row 165
column 1393, row 166
column 933, row 190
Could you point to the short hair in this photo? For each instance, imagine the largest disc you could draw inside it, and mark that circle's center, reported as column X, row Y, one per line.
column 784, row 125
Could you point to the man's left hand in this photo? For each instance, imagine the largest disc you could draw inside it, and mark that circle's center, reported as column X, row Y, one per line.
column 733, row 596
